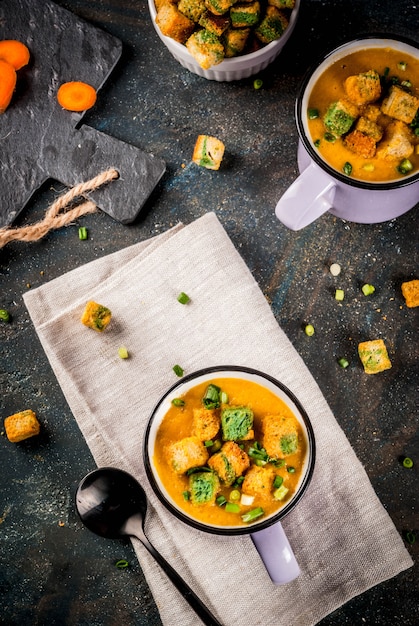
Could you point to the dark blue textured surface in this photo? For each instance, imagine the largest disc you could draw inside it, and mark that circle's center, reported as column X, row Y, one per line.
column 64, row 575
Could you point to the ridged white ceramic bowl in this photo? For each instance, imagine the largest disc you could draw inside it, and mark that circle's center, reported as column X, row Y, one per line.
column 235, row 68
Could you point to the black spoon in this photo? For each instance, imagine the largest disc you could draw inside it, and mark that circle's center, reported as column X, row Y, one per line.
column 111, row 503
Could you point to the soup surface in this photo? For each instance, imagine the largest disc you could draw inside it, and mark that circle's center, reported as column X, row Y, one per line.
column 380, row 141
column 231, row 459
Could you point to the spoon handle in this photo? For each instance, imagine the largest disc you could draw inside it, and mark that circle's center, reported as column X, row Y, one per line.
column 190, row 596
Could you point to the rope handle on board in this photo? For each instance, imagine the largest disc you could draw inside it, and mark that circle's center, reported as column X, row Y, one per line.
column 56, row 216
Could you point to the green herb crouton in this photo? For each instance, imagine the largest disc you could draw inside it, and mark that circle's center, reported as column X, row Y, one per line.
column 216, row 24
column 229, row 463
column 237, row 423
column 273, row 24
column 282, row 4
column 206, row 423
column 374, row 356
column 245, row 14
column 259, row 481
column 186, row 454
column 206, row 48
column 193, row 9
column 96, row 316
column 219, row 7
column 363, row 88
column 235, row 40
column 340, row 116
column 203, row 487
column 208, row 152
column 280, row 435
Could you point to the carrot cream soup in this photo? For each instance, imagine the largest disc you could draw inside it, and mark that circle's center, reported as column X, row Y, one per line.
column 229, row 452
column 363, row 115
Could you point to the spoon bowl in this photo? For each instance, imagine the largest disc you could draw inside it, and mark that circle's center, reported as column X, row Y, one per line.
column 112, row 504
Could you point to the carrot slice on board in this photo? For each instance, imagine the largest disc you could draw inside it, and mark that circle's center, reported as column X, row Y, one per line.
column 7, row 84
column 76, row 96
column 14, row 52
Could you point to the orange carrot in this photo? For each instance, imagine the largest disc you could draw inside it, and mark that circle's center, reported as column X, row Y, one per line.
column 7, row 84
column 76, row 96
column 14, row 52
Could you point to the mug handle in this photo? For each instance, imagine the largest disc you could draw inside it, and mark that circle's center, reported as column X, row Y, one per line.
column 276, row 553
column 309, row 196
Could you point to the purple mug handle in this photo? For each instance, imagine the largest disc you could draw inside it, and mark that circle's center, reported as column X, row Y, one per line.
column 276, row 553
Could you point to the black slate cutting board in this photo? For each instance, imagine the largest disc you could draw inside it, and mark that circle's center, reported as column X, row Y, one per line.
column 41, row 141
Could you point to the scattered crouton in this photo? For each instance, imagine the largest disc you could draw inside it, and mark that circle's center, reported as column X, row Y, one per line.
column 206, row 48
column 21, row 426
column 235, row 40
column 206, row 423
column 374, row 356
column 236, row 423
column 193, row 9
column 96, row 316
column 272, row 25
column 280, row 435
column 363, row 88
column 186, row 454
column 203, row 487
column 340, row 116
column 208, row 152
column 397, row 142
column 410, row 291
column 361, row 144
column 400, row 105
column 229, row 463
column 216, row 24
column 219, row 7
column 173, row 23
column 245, row 14
column 259, row 481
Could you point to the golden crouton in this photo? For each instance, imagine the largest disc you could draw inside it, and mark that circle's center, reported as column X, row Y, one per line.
column 96, row 316
column 259, row 481
column 229, row 463
column 369, row 128
column 159, row 3
column 186, row 454
column 280, row 435
column 21, row 426
column 206, row 48
column 216, row 24
column 397, row 142
column 235, row 40
column 360, row 143
column 400, row 105
column 193, row 9
column 282, row 4
column 245, row 14
column 173, row 23
column 206, row 423
column 374, row 357
column 219, row 7
column 371, row 112
column 272, row 26
column 208, row 152
column 363, row 88
column 410, row 291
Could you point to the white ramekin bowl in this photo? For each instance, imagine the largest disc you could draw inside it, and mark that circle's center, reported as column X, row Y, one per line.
column 235, row 68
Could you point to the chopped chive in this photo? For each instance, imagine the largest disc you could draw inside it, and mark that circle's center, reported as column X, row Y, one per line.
column 178, row 370
column 208, row 443
column 405, row 166
column 123, row 352
column 224, row 397
column 317, row 143
column 250, row 516
column 407, row 462
column 347, row 168
column 221, row 500
column 216, row 446
column 344, row 363
column 4, row 315
column 402, row 65
column 280, row 493
column 410, row 536
column 232, row 507
column 309, row 330
column 257, row 83
column 186, row 495
column 178, row 402
column 239, row 480
column 122, row 564
column 278, row 481
column 368, row 167
column 313, row 114
column 211, row 399
column 339, row 294
column 82, row 233
column 291, row 470
column 329, row 137
column 235, row 495
column 183, row 298
column 367, row 289
column 195, row 470
column 406, row 83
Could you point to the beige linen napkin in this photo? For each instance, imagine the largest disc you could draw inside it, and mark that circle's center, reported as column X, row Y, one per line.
column 343, row 538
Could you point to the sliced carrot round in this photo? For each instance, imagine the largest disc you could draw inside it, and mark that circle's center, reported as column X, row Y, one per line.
column 76, row 96
column 7, row 84
column 14, row 52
